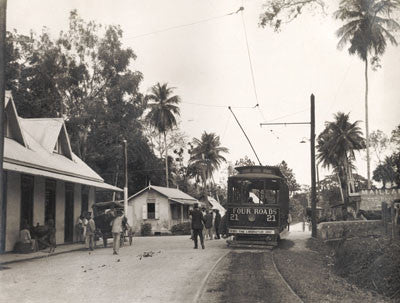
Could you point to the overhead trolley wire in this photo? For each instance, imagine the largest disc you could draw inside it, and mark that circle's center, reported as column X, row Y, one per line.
column 288, row 115
column 213, row 105
column 241, row 9
column 184, row 25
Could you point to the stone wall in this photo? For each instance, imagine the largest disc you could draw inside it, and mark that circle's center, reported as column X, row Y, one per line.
column 336, row 230
column 372, row 199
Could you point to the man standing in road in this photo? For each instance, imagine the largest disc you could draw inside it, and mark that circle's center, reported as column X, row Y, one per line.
column 217, row 223
column 90, row 231
column 197, row 226
column 208, row 218
column 116, row 231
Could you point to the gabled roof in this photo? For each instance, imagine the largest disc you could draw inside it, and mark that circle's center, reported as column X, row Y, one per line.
column 172, row 194
column 47, row 132
column 36, row 157
column 13, row 119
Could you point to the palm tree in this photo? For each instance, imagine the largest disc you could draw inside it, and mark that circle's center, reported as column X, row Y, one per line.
column 369, row 26
column 206, row 154
column 163, row 110
column 336, row 145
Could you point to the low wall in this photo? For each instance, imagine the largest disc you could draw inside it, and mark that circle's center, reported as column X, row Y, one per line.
column 362, row 228
column 372, row 199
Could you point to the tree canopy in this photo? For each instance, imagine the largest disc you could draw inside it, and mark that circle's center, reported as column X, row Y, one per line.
column 336, row 145
column 85, row 75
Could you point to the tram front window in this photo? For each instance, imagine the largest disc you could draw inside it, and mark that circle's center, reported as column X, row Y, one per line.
column 254, row 191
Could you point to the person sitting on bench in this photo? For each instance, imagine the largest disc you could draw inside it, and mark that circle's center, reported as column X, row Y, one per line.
column 25, row 237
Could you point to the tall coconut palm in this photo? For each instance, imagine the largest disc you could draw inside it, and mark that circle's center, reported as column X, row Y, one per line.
column 162, row 113
column 336, row 145
column 368, row 28
column 206, row 153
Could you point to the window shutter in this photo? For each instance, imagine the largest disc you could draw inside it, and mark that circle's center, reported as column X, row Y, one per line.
column 144, row 211
column 157, row 207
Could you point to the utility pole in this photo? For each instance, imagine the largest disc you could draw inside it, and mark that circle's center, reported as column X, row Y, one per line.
column 312, row 146
column 313, row 183
column 3, row 10
column 126, row 177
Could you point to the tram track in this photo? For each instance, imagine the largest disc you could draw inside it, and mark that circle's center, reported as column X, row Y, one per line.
column 203, row 284
column 222, row 280
column 284, row 280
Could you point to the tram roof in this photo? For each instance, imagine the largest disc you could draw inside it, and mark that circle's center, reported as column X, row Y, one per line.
column 258, row 172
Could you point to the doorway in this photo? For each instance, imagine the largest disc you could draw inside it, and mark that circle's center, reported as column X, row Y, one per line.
column 69, row 213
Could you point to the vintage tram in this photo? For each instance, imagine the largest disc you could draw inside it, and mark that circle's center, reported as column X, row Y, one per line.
column 258, row 206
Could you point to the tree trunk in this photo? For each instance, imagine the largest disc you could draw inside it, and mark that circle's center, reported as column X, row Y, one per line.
column 345, row 187
column 166, row 159
column 366, row 123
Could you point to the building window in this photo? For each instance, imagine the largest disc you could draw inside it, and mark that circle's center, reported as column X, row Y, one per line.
column 151, row 210
column 85, row 199
column 50, row 201
column 27, row 185
column 185, row 211
column 176, row 211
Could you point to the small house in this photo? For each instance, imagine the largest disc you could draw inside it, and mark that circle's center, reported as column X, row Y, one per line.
column 162, row 207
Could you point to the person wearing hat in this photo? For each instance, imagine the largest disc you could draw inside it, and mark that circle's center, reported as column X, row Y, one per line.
column 217, row 223
column 197, row 226
column 116, row 230
column 51, row 235
column 90, row 231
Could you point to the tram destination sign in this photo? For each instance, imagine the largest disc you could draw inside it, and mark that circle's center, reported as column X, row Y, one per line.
column 253, row 216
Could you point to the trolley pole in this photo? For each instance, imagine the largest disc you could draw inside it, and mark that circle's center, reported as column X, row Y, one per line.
column 312, row 146
column 313, row 183
column 126, row 177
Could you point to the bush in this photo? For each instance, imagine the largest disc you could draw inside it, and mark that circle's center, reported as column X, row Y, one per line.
column 145, row 229
column 181, row 229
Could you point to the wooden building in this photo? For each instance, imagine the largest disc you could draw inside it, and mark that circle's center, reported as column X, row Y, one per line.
column 43, row 178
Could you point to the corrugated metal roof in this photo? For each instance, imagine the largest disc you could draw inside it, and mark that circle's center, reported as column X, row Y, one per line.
column 170, row 193
column 184, row 201
column 48, row 174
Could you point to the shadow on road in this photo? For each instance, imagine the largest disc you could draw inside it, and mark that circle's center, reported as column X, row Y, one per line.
column 286, row 244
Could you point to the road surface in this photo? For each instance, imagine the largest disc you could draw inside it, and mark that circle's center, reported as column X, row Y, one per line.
column 173, row 273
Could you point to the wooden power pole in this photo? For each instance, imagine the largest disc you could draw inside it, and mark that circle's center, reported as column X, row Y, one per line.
column 313, row 183
column 126, row 178
column 313, row 178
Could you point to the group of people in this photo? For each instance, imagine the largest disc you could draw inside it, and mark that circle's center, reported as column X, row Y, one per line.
column 34, row 238
column 205, row 224
column 86, row 227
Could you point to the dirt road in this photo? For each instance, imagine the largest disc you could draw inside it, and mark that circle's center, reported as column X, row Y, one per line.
column 168, row 269
column 173, row 273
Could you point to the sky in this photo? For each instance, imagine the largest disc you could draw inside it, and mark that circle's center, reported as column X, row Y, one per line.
column 208, row 63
